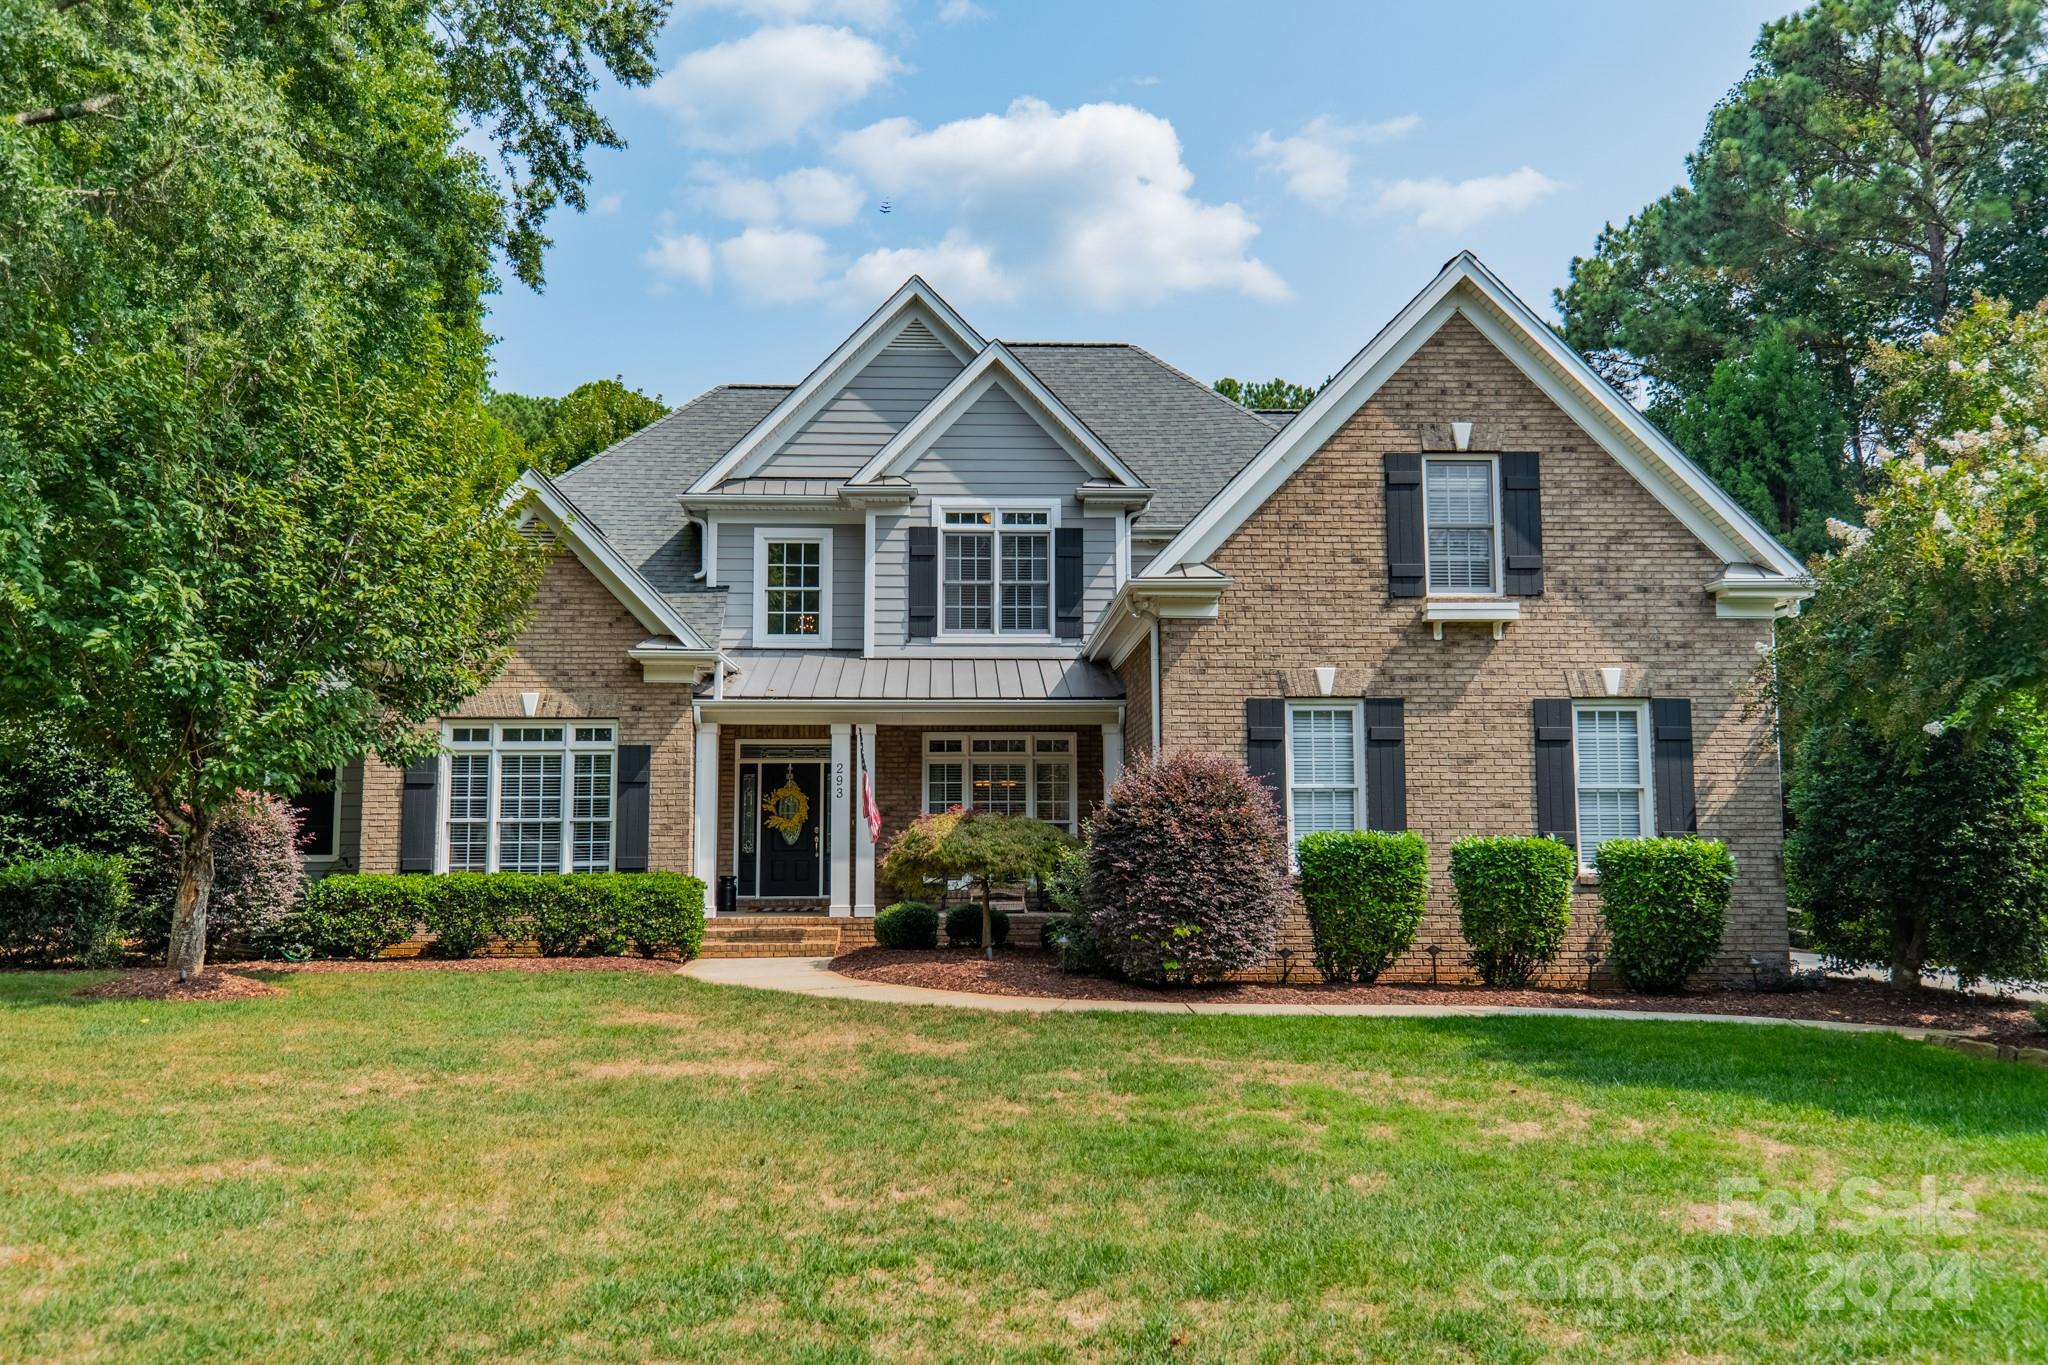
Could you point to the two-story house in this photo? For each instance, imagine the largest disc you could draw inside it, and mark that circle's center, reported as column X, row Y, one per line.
column 1467, row 590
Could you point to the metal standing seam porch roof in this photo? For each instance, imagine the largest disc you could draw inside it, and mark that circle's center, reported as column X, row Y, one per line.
column 843, row 675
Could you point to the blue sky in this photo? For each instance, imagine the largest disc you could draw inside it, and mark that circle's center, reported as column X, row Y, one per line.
column 1245, row 190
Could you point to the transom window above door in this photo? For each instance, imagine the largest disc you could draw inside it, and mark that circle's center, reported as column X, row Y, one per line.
column 793, row 593
column 996, row 569
column 1459, row 513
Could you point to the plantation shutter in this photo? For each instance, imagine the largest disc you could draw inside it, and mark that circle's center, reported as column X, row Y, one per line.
column 924, row 582
column 1386, row 765
column 419, row 807
column 1671, row 723
column 1404, row 526
column 1066, row 580
column 629, row 838
column 1557, row 802
column 1521, row 507
column 1265, row 743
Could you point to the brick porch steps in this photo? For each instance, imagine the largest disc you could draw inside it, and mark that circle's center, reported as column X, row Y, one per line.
column 771, row 936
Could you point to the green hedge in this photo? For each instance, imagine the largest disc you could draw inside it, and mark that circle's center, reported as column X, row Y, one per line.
column 907, row 924
column 1666, row 905
column 1514, row 903
column 963, row 926
column 1364, row 892
column 66, row 908
column 603, row 914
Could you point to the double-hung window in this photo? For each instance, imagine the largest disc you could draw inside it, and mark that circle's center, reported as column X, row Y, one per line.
column 1460, row 513
column 318, row 804
column 793, row 597
column 530, row 797
column 1012, row 774
column 1612, row 775
column 1325, row 768
column 996, row 570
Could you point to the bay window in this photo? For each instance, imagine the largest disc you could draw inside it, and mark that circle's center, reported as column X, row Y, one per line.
column 530, row 797
column 996, row 569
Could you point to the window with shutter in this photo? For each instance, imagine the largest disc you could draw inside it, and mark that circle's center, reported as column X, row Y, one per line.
column 1325, row 767
column 1613, row 779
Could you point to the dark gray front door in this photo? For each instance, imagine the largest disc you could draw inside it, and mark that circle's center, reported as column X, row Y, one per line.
column 791, row 859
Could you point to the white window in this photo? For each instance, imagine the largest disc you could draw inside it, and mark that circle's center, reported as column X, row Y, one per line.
column 996, row 569
column 1458, row 510
column 530, row 797
column 793, row 586
column 1325, row 768
column 1013, row 774
column 318, row 803
column 1613, row 775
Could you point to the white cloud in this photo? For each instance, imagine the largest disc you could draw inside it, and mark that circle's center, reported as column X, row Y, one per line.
column 771, row 85
column 1454, row 206
column 958, row 11
column 1317, row 160
column 961, row 270
column 776, row 265
column 1144, row 80
column 1095, row 200
column 866, row 13
column 680, row 256
column 810, row 194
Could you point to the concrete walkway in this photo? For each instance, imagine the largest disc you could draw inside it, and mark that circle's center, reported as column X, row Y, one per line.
column 813, row 976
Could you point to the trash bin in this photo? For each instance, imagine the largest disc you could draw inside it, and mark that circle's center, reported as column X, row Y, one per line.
column 728, row 895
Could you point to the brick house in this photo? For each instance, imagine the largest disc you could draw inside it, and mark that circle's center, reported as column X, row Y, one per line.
column 1467, row 590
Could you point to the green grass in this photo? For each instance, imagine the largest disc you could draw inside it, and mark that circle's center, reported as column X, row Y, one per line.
column 592, row 1165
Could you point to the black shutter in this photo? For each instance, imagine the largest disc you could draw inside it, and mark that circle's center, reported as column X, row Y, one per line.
column 629, row 841
column 1066, row 580
column 1404, row 526
column 1265, row 743
column 1386, row 765
column 924, row 582
column 418, row 810
column 1557, row 802
column 1671, row 721
column 1521, row 514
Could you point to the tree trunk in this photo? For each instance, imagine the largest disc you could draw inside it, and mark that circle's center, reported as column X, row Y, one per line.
column 195, row 888
column 988, row 925
column 1909, row 951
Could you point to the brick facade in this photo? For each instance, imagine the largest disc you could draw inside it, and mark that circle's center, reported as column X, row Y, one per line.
column 1624, row 585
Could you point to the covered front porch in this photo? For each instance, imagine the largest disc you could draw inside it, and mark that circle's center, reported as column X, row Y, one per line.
column 778, row 789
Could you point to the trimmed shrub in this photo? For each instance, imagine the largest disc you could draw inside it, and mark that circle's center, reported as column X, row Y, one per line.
column 259, row 879
column 963, row 926
column 1365, row 893
column 1187, row 870
column 1514, row 903
column 67, row 908
column 907, row 924
column 1666, row 905
column 53, row 799
column 590, row 914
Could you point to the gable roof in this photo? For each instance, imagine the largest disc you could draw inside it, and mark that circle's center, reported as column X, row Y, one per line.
column 996, row 365
column 915, row 301
column 1466, row 287
column 586, row 540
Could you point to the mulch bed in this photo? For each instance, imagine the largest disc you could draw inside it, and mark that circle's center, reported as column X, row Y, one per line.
column 161, row 983
column 1031, row 971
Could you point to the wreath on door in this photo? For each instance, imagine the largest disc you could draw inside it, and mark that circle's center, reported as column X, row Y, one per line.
column 787, row 808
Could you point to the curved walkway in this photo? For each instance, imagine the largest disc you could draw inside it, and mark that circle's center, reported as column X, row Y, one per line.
column 813, row 976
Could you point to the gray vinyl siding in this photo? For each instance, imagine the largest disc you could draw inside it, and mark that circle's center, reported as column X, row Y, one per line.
column 997, row 451
column 893, row 388
column 736, row 574
column 1143, row 552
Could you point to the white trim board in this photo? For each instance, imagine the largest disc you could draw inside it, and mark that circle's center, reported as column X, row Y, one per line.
column 915, row 299
column 1466, row 287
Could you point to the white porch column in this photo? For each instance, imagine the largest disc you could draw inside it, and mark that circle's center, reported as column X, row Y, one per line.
column 1112, row 757
column 704, row 843
column 863, row 841
column 839, row 782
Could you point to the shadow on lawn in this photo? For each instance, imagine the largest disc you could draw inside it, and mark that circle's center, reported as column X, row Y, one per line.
column 1875, row 1077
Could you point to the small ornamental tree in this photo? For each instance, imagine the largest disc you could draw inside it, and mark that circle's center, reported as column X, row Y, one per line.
column 992, row 850
column 913, row 862
column 1187, row 870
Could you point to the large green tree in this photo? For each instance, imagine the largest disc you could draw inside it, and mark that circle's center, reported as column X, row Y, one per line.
column 1270, row 395
column 559, row 433
column 1880, row 161
column 249, row 494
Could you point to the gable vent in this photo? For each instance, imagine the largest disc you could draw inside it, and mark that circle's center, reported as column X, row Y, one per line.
column 538, row 531
column 915, row 336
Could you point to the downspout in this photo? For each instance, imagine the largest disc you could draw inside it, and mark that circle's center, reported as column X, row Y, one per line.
column 1155, row 688
column 703, row 542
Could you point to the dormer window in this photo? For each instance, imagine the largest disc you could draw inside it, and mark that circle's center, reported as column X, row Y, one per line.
column 996, row 567
column 793, row 593
column 1459, row 514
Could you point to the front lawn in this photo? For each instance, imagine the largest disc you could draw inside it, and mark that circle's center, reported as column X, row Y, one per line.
column 542, row 1166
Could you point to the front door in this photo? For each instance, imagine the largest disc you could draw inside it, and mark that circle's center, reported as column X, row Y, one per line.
column 792, row 827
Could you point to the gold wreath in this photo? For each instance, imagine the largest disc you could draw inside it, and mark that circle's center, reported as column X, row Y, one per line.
column 787, row 808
